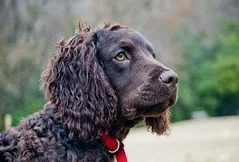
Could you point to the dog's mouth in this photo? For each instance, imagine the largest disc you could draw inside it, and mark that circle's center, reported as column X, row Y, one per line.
column 152, row 106
column 153, row 110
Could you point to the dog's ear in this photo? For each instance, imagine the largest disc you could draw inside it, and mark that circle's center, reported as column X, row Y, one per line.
column 79, row 88
column 159, row 125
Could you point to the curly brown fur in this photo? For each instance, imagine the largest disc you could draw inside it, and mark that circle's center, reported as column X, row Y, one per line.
column 78, row 87
column 159, row 125
column 102, row 80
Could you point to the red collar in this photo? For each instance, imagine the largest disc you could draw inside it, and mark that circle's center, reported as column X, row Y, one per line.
column 115, row 147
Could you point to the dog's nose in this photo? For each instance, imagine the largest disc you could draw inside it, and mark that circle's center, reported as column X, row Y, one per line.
column 169, row 77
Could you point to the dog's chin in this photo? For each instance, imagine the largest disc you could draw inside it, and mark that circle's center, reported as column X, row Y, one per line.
column 145, row 111
column 153, row 108
column 155, row 111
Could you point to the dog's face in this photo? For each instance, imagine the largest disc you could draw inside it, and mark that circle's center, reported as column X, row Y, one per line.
column 99, row 75
column 144, row 86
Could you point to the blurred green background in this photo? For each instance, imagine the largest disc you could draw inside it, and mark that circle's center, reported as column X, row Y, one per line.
column 198, row 39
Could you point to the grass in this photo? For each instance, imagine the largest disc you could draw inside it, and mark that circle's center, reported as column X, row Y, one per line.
column 207, row 140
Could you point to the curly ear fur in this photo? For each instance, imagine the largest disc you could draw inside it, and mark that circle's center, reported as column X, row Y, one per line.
column 76, row 84
column 159, row 125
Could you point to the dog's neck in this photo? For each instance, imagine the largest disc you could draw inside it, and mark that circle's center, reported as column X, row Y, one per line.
column 121, row 129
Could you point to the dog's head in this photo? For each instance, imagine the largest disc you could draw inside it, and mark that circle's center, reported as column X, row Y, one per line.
column 145, row 87
column 99, row 73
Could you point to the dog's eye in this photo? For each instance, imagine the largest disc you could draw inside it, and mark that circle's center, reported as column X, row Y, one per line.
column 120, row 56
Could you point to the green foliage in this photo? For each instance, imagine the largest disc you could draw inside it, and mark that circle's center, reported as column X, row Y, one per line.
column 19, row 73
column 30, row 107
column 19, row 90
column 209, row 75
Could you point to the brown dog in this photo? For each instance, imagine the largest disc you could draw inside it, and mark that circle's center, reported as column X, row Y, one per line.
column 103, row 80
